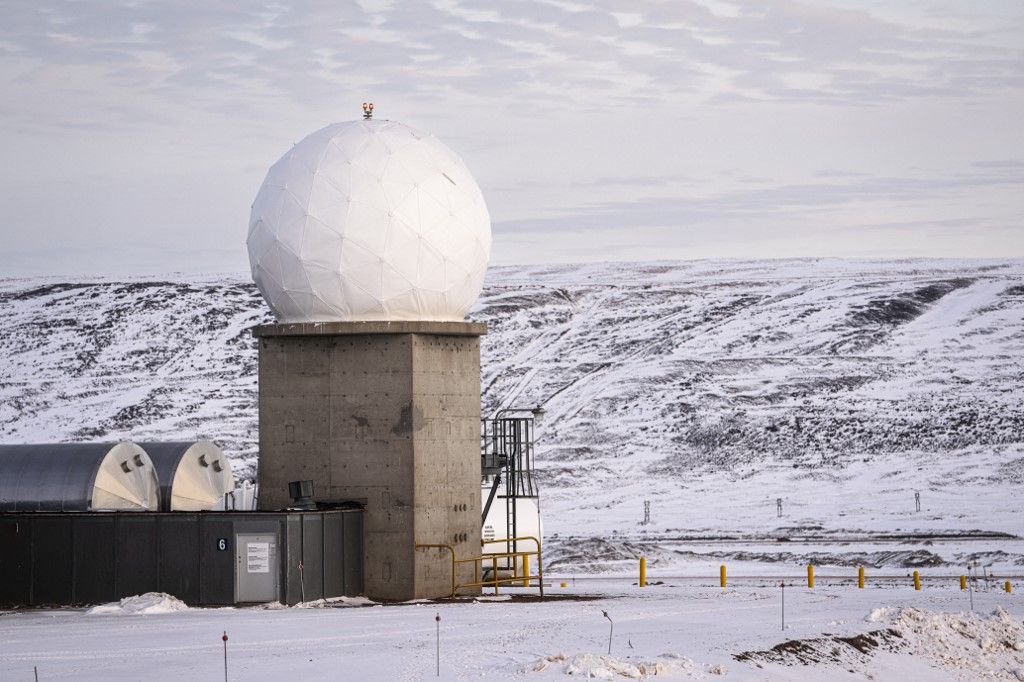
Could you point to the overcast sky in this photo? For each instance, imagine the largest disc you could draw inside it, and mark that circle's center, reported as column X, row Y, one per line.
column 136, row 134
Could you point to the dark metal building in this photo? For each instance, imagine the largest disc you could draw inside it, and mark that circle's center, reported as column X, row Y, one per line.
column 215, row 558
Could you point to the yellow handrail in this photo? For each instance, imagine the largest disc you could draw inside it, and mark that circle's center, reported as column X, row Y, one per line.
column 495, row 581
column 540, row 565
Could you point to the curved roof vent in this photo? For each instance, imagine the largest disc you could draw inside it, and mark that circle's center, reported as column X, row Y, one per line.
column 194, row 475
column 77, row 477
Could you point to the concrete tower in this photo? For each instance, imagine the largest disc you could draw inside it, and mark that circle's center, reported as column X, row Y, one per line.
column 369, row 240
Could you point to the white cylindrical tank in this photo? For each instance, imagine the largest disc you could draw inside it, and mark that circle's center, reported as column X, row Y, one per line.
column 495, row 527
column 194, row 475
column 66, row 477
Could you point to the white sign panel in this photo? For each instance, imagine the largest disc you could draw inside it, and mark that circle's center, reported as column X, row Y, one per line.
column 257, row 557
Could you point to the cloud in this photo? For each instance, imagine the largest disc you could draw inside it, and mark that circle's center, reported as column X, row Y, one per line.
column 839, row 218
column 785, row 51
column 572, row 115
column 778, row 200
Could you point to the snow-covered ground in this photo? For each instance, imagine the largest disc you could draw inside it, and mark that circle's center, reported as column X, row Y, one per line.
column 677, row 630
column 712, row 389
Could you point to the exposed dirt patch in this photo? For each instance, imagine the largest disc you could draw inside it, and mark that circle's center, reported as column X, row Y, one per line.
column 828, row 649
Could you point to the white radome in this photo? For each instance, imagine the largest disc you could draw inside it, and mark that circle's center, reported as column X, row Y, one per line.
column 369, row 220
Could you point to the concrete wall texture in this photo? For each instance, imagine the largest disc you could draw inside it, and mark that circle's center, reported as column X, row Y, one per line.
column 386, row 414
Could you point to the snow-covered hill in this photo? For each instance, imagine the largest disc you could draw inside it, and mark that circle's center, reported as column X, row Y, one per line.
column 711, row 389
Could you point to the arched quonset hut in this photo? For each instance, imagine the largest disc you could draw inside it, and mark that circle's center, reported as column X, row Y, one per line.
column 67, row 477
column 194, row 475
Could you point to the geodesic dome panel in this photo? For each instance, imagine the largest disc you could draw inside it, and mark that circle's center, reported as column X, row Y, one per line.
column 369, row 220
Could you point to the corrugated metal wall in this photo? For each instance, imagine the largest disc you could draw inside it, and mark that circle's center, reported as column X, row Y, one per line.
column 90, row 558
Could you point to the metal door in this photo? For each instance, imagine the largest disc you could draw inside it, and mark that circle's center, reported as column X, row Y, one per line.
column 257, row 569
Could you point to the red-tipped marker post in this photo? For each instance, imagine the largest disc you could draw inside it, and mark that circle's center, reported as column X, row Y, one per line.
column 224, row 638
column 437, row 623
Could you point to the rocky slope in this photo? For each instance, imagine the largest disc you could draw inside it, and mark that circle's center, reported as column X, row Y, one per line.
column 712, row 389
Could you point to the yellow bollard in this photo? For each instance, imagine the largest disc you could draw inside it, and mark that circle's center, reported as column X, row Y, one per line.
column 565, row 584
column 860, row 578
column 643, row 571
column 810, row 576
column 526, row 570
column 917, row 580
column 1009, row 587
column 963, row 582
column 721, row 575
